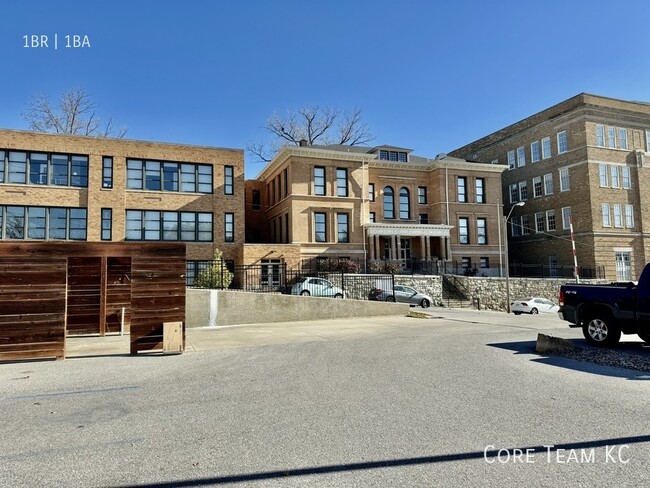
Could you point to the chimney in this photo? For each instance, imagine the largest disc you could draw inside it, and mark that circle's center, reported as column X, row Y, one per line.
column 302, row 143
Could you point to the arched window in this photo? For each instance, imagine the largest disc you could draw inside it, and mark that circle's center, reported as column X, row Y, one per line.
column 404, row 204
column 389, row 203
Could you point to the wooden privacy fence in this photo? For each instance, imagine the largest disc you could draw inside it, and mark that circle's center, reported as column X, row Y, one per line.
column 49, row 290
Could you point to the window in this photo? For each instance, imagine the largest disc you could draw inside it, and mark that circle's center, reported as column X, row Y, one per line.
column 618, row 217
column 514, row 193
column 320, row 227
column 342, row 227
column 43, row 223
column 422, row 195
column 546, row 148
column 480, row 190
column 485, row 263
column 521, row 156
column 229, row 227
column 463, row 230
column 627, row 181
column 566, row 217
column 525, row 225
column 511, row 159
column 404, row 204
column 228, row 180
column 606, row 215
column 629, row 216
column 611, row 137
column 614, row 174
column 481, row 231
column 564, row 179
column 539, row 221
column 37, row 168
column 537, row 187
column 165, row 176
column 389, row 203
column 107, row 172
column 341, row 182
column 622, row 138
column 550, row 220
column 18, row 168
column 515, row 226
column 602, row 172
column 107, row 224
column 257, row 200
column 466, row 262
column 423, row 218
column 523, row 190
column 462, row 189
column 371, row 192
column 562, row 145
column 383, row 155
column 2, row 173
column 600, row 135
column 319, row 180
column 392, row 155
column 535, row 153
column 402, row 157
column 168, row 226
column 548, row 184
column 372, row 217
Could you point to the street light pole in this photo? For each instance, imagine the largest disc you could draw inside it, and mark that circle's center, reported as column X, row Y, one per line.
column 505, row 225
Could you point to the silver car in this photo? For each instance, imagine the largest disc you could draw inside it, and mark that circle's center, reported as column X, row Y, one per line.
column 316, row 287
column 403, row 294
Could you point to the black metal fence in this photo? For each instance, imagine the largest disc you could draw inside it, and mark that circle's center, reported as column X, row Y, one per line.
column 555, row 271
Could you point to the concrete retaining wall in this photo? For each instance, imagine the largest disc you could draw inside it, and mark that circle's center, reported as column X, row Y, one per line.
column 222, row 307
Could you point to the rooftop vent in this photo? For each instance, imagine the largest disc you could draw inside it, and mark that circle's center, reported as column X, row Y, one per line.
column 303, row 143
column 441, row 155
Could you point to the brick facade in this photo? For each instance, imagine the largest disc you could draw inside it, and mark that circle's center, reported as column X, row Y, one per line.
column 118, row 198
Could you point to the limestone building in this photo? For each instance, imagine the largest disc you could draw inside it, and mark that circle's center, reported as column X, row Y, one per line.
column 581, row 161
column 376, row 204
column 79, row 188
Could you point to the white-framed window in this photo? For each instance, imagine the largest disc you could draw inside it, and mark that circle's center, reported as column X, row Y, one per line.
column 550, row 220
column 546, row 148
column 618, row 215
column 511, row 159
column 521, row 156
column 481, row 231
column 629, row 216
column 607, row 221
column 537, row 186
column 562, row 145
column 613, row 170
column 539, row 221
column 524, row 225
column 548, row 184
column 564, row 179
column 515, row 223
column 627, row 179
column 602, row 173
column 622, row 138
column 566, row 217
column 611, row 137
column 514, row 193
column 523, row 190
column 600, row 135
column 535, row 152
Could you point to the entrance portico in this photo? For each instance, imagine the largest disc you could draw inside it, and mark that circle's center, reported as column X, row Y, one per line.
column 398, row 241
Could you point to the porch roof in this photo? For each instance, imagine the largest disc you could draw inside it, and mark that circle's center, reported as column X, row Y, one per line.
column 407, row 230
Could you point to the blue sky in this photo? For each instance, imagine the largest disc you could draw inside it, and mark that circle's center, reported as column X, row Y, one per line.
column 428, row 75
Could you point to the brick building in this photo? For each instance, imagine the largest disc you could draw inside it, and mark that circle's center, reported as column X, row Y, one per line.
column 581, row 160
column 373, row 204
column 61, row 187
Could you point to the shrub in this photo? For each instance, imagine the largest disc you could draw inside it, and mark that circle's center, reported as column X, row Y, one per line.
column 217, row 275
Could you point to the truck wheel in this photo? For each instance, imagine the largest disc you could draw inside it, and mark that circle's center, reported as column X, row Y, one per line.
column 645, row 336
column 600, row 330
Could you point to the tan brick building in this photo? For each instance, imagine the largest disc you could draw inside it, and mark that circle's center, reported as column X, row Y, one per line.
column 583, row 159
column 61, row 187
column 373, row 204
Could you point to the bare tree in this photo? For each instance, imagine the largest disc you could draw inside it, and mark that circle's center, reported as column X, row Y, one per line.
column 75, row 114
column 314, row 125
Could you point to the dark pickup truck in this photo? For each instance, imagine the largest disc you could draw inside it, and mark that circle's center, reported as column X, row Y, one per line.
column 606, row 311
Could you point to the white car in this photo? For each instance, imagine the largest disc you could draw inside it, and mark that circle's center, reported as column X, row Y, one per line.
column 316, row 287
column 533, row 305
